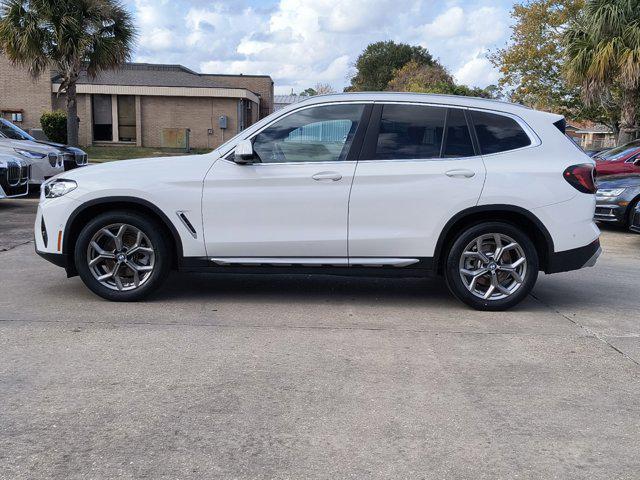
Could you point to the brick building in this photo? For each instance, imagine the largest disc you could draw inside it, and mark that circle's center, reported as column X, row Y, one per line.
column 143, row 104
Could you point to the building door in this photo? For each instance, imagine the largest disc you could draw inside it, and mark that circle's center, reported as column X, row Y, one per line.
column 102, row 118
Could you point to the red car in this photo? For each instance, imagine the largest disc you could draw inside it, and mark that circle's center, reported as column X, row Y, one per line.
column 619, row 160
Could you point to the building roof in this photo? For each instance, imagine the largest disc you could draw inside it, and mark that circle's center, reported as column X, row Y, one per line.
column 158, row 75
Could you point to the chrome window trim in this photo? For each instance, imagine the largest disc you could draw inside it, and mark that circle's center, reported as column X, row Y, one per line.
column 533, row 137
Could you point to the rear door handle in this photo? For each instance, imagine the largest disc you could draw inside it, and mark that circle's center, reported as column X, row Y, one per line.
column 327, row 177
column 460, row 173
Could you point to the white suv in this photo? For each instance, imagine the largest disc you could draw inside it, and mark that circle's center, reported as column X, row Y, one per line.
column 484, row 193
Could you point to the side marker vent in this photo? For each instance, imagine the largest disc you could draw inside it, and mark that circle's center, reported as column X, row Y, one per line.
column 183, row 218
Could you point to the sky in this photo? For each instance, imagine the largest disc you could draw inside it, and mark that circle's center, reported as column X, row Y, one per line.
column 300, row 43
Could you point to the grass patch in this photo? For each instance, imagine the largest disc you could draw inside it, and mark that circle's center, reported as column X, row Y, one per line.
column 108, row 154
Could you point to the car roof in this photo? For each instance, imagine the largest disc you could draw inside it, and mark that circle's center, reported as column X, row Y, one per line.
column 430, row 98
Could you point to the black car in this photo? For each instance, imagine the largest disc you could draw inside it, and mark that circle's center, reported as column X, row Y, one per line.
column 617, row 198
column 73, row 156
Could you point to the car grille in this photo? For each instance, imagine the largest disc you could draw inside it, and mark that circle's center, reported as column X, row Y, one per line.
column 13, row 174
column 81, row 159
column 53, row 159
column 25, row 174
column 14, row 179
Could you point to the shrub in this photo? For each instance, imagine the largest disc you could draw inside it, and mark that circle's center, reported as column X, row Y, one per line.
column 54, row 126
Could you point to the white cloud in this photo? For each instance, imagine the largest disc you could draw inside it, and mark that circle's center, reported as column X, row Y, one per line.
column 478, row 71
column 303, row 42
column 447, row 24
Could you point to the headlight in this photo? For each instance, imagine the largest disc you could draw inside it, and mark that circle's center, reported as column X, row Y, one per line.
column 30, row 153
column 59, row 187
column 609, row 192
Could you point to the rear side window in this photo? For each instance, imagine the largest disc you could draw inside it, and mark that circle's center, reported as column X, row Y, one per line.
column 497, row 133
column 410, row 132
column 457, row 138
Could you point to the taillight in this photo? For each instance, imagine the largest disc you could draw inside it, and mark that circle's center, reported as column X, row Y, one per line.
column 581, row 177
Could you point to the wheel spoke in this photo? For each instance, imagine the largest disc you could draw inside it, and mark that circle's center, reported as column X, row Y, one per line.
column 489, row 291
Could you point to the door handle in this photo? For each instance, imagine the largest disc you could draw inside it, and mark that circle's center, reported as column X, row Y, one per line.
column 460, row 173
column 327, row 177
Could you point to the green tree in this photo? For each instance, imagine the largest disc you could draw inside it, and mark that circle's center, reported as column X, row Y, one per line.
column 377, row 64
column 603, row 56
column 68, row 35
column 417, row 78
column 531, row 64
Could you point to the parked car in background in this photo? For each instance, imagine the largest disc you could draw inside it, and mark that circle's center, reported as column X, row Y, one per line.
column 45, row 161
column 14, row 177
column 594, row 153
column 619, row 160
column 73, row 157
column 617, row 198
column 484, row 193
column 635, row 223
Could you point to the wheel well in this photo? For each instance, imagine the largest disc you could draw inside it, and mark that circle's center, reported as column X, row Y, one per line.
column 82, row 216
column 526, row 222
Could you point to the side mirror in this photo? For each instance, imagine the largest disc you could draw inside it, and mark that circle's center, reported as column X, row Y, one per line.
column 243, row 153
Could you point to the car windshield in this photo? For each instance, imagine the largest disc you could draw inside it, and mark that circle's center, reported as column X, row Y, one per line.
column 9, row 130
column 617, row 153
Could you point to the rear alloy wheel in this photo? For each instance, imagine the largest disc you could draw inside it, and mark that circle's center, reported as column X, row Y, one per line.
column 492, row 266
column 122, row 256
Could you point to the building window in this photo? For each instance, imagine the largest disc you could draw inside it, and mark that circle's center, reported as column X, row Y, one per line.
column 126, row 118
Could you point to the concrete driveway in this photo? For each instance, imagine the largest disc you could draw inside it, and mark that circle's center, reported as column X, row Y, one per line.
column 263, row 377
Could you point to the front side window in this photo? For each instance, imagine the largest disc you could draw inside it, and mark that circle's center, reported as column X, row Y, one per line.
column 498, row 133
column 316, row 134
column 410, row 132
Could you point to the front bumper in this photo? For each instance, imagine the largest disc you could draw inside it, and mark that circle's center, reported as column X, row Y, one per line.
column 635, row 223
column 575, row 258
column 608, row 210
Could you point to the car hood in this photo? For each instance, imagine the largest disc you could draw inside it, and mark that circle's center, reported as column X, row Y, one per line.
column 59, row 146
column 149, row 169
column 619, row 181
column 10, row 144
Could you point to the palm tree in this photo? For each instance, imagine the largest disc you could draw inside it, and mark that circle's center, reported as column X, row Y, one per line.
column 69, row 36
column 603, row 57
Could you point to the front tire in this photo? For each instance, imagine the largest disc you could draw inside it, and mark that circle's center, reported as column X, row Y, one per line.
column 491, row 266
column 122, row 256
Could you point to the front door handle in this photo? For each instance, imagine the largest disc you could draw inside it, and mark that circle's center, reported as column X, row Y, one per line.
column 460, row 173
column 327, row 177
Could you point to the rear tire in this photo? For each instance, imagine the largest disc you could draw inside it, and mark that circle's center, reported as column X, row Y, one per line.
column 491, row 266
column 122, row 256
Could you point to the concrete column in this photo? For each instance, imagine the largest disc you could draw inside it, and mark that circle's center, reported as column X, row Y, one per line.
column 88, row 104
column 114, row 118
column 138, row 121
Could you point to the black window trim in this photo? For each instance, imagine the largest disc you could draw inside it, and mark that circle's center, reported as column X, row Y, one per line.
column 356, row 144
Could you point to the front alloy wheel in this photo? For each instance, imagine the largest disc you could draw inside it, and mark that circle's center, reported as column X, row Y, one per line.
column 491, row 266
column 122, row 255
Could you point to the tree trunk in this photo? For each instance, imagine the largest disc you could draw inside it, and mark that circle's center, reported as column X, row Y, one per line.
column 72, row 115
column 628, row 109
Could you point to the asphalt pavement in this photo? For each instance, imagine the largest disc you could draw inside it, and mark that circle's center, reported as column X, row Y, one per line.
column 292, row 377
